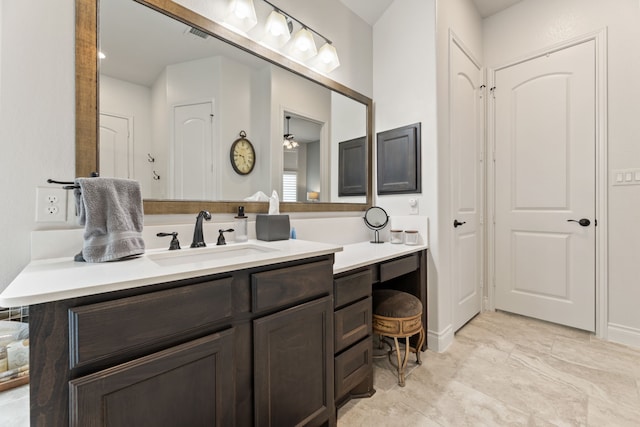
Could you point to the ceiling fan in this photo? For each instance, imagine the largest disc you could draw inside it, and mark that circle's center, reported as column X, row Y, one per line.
column 289, row 142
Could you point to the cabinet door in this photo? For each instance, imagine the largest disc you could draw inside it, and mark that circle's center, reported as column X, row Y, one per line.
column 293, row 362
column 188, row 385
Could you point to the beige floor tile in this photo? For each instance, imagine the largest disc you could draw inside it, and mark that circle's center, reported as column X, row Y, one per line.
column 382, row 410
column 603, row 413
column 598, row 354
column 518, row 384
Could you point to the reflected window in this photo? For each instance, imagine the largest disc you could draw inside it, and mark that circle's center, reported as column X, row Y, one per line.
column 289, row 186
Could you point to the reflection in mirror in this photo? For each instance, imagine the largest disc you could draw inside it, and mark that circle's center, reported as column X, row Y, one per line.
column 301, row 174
column 173, row 93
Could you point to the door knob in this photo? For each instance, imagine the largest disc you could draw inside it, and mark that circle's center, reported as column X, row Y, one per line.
column 583, row 222
column 457, row 223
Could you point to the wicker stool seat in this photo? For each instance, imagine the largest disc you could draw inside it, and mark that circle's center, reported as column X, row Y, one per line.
column 398, row 314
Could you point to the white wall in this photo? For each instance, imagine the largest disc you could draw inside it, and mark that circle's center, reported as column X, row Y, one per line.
column 404, row 87
column 534, row 24
column 37, row 101
column 37, row 122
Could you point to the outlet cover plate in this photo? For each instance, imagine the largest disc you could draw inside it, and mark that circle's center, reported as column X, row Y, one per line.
column 51, row 204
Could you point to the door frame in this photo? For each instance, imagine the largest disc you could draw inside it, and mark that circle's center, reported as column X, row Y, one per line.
column 482, row 197
column 601, row 190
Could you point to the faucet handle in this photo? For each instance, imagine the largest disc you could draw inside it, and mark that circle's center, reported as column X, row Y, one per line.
column 175, row 244
column 221, row 240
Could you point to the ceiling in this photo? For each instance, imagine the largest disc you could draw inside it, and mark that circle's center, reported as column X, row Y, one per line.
column 372, row 10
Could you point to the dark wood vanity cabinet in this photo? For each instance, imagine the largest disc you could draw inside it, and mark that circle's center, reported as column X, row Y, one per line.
column 249, row 347
column 293, row 348
column 353, row 364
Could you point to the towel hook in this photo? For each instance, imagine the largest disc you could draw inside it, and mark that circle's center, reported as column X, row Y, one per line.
column 150, row 158
column 156, row 177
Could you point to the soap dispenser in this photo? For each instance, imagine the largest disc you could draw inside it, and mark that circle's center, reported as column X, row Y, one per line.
column 240, row 225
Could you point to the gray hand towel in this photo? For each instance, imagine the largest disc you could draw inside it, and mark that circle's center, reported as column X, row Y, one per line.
column 111, row 211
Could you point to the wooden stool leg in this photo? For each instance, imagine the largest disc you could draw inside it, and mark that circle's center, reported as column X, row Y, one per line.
column 419, row 346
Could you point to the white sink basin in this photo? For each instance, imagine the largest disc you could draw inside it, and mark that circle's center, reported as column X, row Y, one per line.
column 213, row 253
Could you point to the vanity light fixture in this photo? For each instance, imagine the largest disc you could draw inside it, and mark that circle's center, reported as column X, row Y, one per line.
column 302, row 47
column 289, row 142
column 241, row 15
column 277, row 30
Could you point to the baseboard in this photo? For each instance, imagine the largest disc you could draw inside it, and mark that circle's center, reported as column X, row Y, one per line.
column 623, row 335
column 440, row 341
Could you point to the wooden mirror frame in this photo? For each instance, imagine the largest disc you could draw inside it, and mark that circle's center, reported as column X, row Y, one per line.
column 87, row 107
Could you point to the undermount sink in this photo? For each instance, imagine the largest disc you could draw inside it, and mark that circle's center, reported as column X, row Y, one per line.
column 214, row 253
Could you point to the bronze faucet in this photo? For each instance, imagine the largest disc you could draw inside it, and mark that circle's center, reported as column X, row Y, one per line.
column 198, row 238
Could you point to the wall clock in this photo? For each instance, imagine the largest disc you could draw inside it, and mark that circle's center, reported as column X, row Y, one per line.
column 242, row 155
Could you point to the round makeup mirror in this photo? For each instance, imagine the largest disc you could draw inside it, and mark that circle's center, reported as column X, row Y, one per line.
column 376, row 219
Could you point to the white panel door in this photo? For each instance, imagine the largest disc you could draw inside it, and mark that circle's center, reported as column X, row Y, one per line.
column 193, row 175
column 467, row 116
column 116, row 151
column 545, row 181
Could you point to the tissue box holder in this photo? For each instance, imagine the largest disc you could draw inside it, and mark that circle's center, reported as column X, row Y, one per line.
column 272, row 227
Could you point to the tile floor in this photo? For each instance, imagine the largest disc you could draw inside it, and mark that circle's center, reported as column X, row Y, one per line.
column 501, row 370
column 504, row 370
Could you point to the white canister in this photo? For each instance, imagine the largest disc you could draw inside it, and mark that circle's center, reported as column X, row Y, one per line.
column 411, row 237
column 396, row 236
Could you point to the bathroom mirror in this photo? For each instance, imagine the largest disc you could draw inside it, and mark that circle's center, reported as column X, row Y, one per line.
column 87, row 121
column 376, row 219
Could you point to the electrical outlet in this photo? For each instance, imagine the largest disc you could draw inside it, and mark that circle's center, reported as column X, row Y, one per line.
column 51, row 204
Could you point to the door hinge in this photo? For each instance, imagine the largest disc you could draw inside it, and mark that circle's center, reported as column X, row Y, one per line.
column 595, row 222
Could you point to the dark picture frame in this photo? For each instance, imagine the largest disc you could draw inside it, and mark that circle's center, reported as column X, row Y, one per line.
column 398, row 160
column 352, row 173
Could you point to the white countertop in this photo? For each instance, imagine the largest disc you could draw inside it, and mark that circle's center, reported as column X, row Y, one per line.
column 364, row 253
column 61, row 278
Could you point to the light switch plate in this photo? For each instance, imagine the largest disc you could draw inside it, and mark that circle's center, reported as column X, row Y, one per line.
column 625, row 177
column 413, row 206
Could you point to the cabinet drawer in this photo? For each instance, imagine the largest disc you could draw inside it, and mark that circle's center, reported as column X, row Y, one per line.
column 352, row 323
column 114, row 328
column 285, row 286
column 353, row 366
column 398, row 267
column 352, row 288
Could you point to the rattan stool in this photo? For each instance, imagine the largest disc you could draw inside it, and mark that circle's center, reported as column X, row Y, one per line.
column 398, row 314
